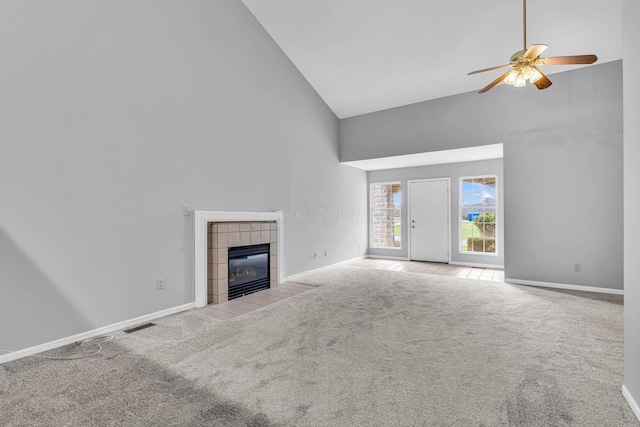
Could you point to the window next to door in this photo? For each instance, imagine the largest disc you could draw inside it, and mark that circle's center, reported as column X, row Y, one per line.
column 478, row 215
column 384, row 219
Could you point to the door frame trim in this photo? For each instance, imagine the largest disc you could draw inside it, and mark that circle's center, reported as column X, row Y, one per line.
column 411, row 181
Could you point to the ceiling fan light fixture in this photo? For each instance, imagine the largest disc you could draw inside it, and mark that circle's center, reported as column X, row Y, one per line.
column 528, row 73
column 520, row 81
column 535, row 77
column 524, row 63
column 511, row 77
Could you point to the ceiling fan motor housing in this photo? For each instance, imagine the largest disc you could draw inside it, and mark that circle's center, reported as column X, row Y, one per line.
column 518, row 54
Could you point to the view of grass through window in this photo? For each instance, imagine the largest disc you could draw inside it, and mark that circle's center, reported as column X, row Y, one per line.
column 478, row 208
column 386, row 227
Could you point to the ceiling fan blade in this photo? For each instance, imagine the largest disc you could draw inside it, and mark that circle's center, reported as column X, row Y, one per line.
column 566, row 60
column 543, row 82
column 489, row 69
column 493, row 83
column 534, row 51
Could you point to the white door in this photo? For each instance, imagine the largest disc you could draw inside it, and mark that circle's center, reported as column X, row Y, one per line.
column 429, row 220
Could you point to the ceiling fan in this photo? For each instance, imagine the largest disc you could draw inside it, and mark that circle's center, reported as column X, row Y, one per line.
column 524, row 63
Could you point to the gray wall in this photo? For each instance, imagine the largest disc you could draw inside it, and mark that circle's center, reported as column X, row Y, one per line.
column 631, row 35
column 453, row 171
column 562, row 166
column 567, row 208
column 453, row 122
column 563, row 183
column 118, row 113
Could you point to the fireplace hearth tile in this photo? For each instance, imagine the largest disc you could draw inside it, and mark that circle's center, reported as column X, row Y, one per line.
column 220, row 298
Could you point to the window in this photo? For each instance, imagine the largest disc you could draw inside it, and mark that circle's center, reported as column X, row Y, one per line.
column 384, row 220
column 478, row 214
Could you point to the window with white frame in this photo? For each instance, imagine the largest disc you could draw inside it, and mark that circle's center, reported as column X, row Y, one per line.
column 384, row 219
column 478, row 214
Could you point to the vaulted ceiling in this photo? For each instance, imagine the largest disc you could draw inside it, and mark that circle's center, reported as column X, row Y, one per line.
column 369, row 55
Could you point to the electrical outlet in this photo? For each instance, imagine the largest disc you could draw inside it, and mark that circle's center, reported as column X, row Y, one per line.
column 358, row 245
column 186, row 210
column 315, row 254
column 325, row 252
column 160, row 283
column 576, row 268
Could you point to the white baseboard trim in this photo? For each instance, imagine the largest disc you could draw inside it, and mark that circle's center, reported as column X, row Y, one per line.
column 479, row 265
column 352, row 259
column 565, row 286
column 293, row 276
column 631, row 401
column 466, row 264
column 393, row 258
column 18, row 354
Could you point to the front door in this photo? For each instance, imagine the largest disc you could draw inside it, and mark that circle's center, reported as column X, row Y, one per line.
column 429, row 220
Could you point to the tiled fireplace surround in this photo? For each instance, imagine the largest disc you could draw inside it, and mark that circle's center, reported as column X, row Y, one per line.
column 224, row 235
column 201, row 221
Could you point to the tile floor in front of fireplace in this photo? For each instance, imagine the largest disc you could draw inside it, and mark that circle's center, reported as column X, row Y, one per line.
column 249, row 303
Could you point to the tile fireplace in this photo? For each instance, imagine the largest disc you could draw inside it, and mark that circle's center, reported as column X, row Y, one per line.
column 217, row 234
column 249, row 243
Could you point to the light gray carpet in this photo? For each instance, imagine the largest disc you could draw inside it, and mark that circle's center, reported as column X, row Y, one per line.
column 366, row 348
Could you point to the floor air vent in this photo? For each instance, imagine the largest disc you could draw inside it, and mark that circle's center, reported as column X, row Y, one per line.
column 137, row 328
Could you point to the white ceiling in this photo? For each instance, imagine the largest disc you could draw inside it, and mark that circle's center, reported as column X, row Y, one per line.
column 369, row 55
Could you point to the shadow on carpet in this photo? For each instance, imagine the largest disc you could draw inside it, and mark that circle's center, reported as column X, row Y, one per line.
column 114, row 388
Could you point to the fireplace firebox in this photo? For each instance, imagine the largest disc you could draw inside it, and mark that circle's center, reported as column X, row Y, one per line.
column 248, row 270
